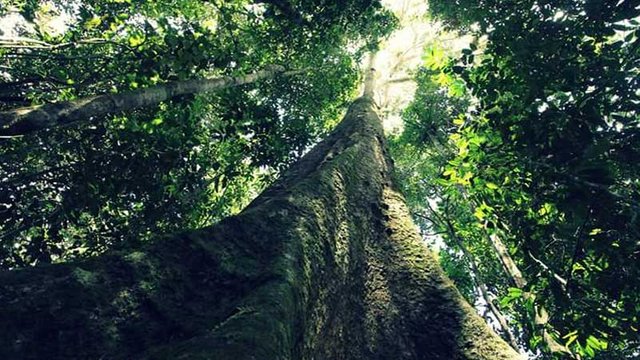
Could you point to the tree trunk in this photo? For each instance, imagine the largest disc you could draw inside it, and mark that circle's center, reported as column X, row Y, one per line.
column 325, row 264
column 29, row 119
column 482, row 286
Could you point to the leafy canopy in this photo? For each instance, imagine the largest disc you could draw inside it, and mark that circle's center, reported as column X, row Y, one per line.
column 79, row 190
column 532, row 142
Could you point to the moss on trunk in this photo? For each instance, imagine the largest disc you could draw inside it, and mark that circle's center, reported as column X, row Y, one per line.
column 325, row 264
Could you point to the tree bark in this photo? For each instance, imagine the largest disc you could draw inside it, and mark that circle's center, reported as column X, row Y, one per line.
column 325, row 264
column 29, row 119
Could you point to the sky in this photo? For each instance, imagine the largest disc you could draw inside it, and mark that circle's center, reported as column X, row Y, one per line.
column 401, row 54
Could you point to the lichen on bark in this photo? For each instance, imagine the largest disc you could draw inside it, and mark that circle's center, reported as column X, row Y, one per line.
column 325, row 264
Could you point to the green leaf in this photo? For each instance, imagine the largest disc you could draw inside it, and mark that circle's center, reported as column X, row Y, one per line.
column 512, row 295
column 457, row 88
column 479, row 214
column 435, row 58
column 573, row 335
column 93, row 22
column 595, row 231
column 596, row 343
column 491, row 186
column 136, row 39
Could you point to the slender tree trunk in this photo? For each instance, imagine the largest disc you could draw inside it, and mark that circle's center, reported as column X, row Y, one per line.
column 541, row 316
column 325, row 264
column 508, row 264
column 29, row 119
column 482, row 286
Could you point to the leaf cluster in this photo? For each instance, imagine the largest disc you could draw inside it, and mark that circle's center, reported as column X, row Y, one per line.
column 543, row 159
column 113, row 182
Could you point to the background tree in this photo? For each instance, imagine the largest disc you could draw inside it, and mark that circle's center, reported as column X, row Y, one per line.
column 187, row 162
column 536, row 156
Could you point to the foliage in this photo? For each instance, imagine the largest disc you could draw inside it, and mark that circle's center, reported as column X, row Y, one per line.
column 76, row 191
column 543, row 160
column 518, row 154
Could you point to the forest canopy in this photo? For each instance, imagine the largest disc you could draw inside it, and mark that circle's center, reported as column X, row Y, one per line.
column 517, row 154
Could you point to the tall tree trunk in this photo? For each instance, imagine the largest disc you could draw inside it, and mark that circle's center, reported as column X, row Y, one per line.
column 325, row 264
column 29, row 119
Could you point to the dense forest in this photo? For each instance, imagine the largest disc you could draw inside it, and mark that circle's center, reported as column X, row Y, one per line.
column 317, row 179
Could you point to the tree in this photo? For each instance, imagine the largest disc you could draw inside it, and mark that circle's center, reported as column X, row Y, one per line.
column 325, row 263
column 186, row 162
column 517, row 154
column 25, row 120
column 537, row 171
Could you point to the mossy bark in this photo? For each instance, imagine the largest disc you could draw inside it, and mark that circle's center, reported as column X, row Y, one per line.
column 325, row 264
